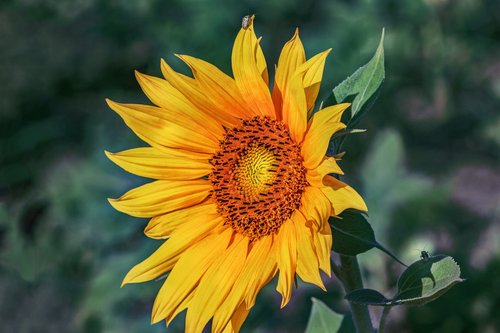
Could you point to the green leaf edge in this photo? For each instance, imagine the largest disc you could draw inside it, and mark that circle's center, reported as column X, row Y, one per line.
column 352, row 296
column 370, row 243
column 316, row 303
column 379, row 53
column 432, row 296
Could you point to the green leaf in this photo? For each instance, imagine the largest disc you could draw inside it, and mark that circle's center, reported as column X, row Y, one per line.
column 323, row 319
column 361, row 89
column 364, row 85
column 427, row 279
column 367, row 297
column 352, row 235
column 422, row 282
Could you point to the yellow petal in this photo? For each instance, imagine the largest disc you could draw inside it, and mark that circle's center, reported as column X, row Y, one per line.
column 342, row 196
column 180, row 307
column 259, row 268
column 315, row 206
column 222, row 317
column 168, row 253
column 160, row 227
column 187, row 272
column 313, row 73
column 292, row 56
column 307, row 260
column 237, row 320
column 287, row 259
column 321, row 127
column 166, row 96
column 216, row 284
column 219, row 88
column 295, row 107
column 323, row 246
column 196, row 94
column 247, row 74
column 162, row 196
column 261, row 62
column 182, row 153
column 265, row 254
column 328, row 166
column 160, row 128
column 153, row 163
column 176, row 79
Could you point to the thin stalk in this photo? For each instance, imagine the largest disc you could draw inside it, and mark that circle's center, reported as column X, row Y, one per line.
column 383, row 319
column 341, row 143
column 335, row 268
column 351, row 279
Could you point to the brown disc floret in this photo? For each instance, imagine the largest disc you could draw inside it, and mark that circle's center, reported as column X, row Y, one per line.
column 258, row 177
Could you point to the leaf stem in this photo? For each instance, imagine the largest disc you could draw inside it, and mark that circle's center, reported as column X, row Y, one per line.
column 351, row 279
column 383, row 319
column 336, row 269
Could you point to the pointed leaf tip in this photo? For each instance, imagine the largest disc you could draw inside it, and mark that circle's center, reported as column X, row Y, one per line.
column 361, row 87
column 427, row 279
column 323, row 319
column 352, row 235
column 421, row 283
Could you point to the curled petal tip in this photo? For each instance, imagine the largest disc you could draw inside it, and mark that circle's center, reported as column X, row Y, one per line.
column 139, row 76
column 155, row 319
column 180, row 56
column 112, row 201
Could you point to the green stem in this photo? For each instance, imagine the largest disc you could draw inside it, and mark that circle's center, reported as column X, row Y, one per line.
column 336, row 269
column 383, row 319
column 351, row 279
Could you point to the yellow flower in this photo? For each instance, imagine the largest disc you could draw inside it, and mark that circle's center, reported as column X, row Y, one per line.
column 243, row 188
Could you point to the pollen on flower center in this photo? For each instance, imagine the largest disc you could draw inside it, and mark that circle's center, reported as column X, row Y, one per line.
column 258, row 177
column 255, row 170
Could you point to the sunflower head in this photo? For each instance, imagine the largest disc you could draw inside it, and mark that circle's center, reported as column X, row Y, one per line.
column 242, row 187
column 258, row 177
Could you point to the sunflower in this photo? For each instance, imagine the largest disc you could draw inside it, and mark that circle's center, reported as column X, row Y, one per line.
column 243, row 188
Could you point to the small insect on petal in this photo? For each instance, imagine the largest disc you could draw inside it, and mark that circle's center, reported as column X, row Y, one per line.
column 245, row 22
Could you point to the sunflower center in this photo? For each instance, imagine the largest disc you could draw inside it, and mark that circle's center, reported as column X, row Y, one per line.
column 258, row 177
column 255, row 171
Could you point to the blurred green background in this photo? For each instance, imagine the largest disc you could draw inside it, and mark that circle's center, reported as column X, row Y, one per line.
column 428, row 165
